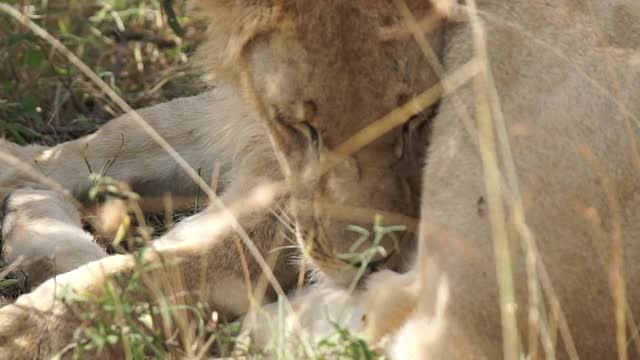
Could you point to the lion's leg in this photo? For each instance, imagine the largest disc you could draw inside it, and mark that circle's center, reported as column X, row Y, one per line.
column 39, row 324
column 12, row 178
column 578, row 184
column 42, row 236
column 206, row 129
column 197, row 261
column 42, row 232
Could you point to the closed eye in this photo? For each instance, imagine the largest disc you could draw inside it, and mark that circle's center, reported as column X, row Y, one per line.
column 314, row 136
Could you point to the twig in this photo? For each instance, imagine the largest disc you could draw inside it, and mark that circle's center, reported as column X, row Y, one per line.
column 126, row 36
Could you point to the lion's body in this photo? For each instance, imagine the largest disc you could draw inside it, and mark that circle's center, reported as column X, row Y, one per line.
column 567, row 76
column 568, row 87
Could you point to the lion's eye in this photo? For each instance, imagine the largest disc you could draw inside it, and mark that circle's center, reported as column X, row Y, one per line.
column 314, row 136
column 404, row 140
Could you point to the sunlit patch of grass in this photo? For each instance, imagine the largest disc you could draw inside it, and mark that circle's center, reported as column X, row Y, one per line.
column 114, row 319
column 128, row 319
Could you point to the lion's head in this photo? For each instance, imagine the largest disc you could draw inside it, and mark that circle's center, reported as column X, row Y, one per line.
column 316, row 73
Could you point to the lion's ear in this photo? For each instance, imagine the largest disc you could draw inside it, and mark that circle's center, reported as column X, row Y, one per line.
column 232, row 24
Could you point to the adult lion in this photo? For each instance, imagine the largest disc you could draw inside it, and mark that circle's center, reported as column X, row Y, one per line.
column 540, row 256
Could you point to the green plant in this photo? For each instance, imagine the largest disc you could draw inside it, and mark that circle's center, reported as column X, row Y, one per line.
column 131, row 44
column 363, row 258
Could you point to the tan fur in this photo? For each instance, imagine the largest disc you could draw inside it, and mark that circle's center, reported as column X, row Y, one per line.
column 208, row 271
column 282, row 57
column 568, row 88
column 296, row 104
column 11, row 178
column 316, row 312
column 212, row 127
column 227, row 133
column 42, row 231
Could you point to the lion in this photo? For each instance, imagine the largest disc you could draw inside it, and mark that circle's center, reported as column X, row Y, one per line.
column 529, row 235
column 284, row 101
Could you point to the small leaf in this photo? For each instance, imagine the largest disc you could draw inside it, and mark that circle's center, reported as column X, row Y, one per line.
column 34, row 58
column 8, row 282
column 112, row 339
column 16, row 136
column 7, row 87
column 16, row 38
column 29, row 107
column 63, row 26
column 29, row 103
column 62, row 71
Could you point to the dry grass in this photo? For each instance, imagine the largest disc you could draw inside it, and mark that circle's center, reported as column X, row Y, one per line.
column 128, row 43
